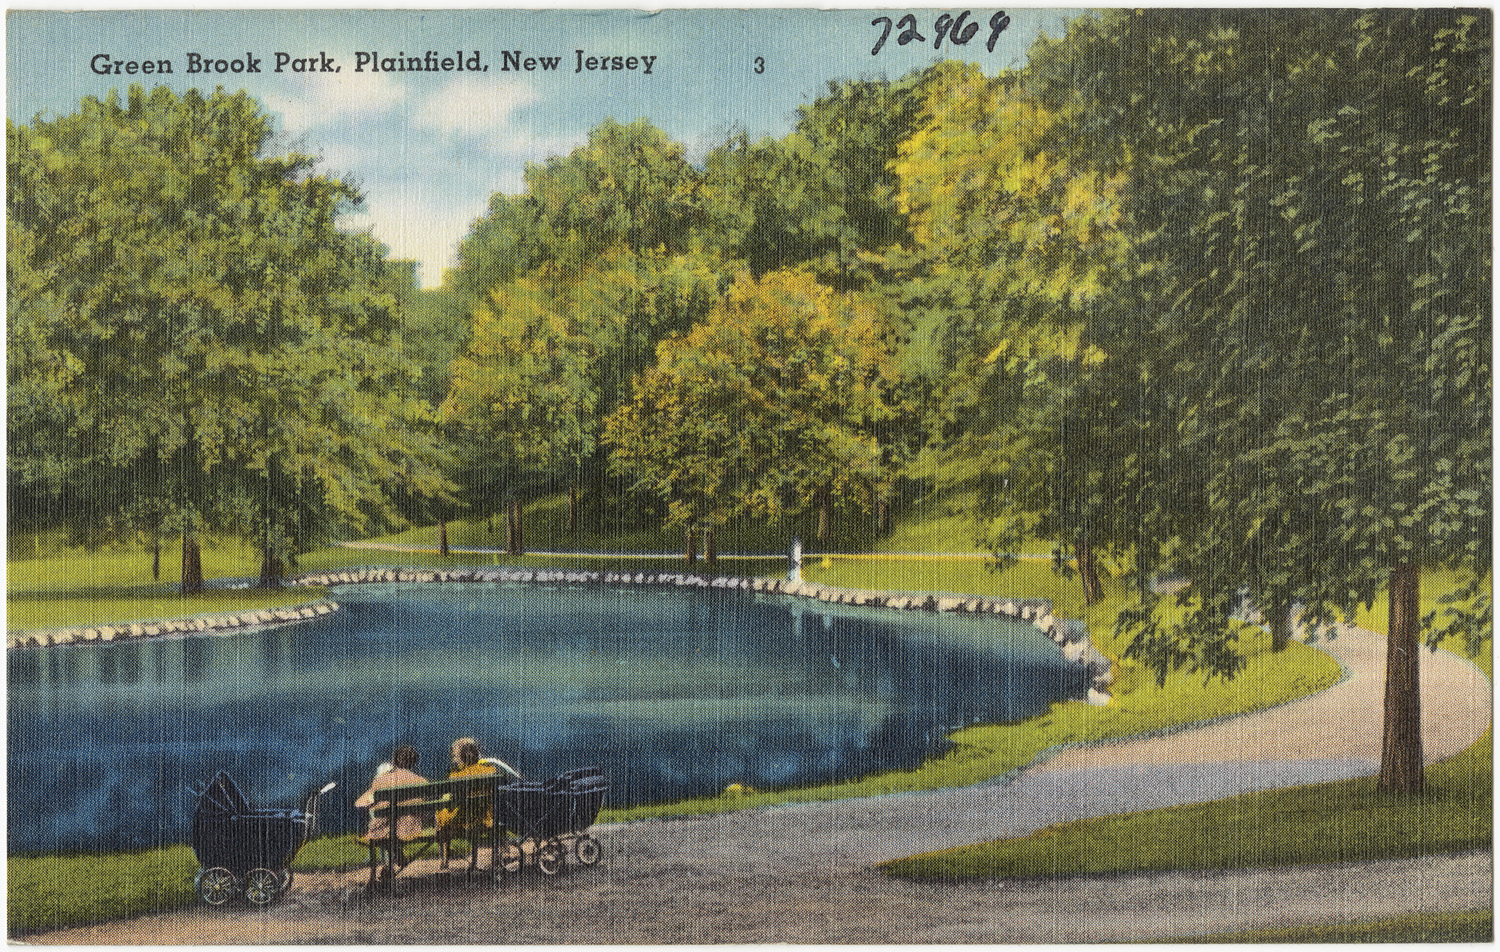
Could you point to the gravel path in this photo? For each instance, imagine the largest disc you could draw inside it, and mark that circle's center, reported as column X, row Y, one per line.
column 804, row 873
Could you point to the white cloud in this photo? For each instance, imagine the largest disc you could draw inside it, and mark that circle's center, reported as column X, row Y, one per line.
column 522, row 146
column 322, row 99
column 473, row 108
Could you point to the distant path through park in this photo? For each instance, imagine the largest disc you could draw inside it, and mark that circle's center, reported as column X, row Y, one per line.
column 805, row 873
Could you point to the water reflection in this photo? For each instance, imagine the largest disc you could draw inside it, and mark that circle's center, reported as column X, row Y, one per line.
column 673, row 693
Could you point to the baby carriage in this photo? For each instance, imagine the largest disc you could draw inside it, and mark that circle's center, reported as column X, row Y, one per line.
column 245, row 851
column 548, row 819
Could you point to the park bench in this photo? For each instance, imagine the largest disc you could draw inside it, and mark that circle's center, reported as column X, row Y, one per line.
column 470, row 795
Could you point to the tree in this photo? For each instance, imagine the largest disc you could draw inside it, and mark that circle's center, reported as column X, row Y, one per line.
column 526, row 382
column 1309, row 202
column 1015, row 237
column 550, row 355
column 769, row 407
column 822, row 197
column 630, row 186
column 586, row 272
column 220, row 339
column 500, row 247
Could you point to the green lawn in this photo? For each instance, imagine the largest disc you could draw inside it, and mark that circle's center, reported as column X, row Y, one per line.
column 1323, row 823
column 70, row 588
column 54, row 892
column 27, row 610
column 546, row 530
column 1474, row 925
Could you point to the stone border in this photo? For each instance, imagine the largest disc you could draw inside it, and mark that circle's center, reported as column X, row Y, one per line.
column 197, row 625
column 1070, row 635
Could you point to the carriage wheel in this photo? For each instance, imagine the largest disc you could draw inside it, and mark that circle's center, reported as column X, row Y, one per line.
column 262, row 886
column 511, row 857
column 549, row 858
column 286, row 880
column 587, row 850
column 216, row 886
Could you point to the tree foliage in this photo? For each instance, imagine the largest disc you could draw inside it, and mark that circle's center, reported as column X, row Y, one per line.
column 1308, row 207
column 823, row 196
column 769, row 406
column 1016, row 235
column 184, row 314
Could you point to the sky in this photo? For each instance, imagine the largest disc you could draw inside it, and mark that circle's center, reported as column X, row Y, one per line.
column 429, row 147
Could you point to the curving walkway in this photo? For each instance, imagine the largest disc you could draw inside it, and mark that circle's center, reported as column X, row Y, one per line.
column 1342, row 722
column 804, row 873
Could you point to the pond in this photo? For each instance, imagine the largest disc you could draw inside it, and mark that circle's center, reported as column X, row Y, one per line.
column 673, row 692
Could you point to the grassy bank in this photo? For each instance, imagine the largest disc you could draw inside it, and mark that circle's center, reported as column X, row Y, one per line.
column 77, row 588
column 1473, row 925
column 1325, row 823
column 1344, row 821
column 985, row 751
column 58, row 892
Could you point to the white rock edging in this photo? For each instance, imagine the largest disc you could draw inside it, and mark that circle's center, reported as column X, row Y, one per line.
column 1069, row 634
column 217, row 624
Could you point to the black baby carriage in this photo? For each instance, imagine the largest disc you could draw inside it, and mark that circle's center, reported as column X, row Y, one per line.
column 548, row 819
column 247, row 851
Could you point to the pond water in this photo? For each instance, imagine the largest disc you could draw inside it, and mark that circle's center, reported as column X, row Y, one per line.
column 674, row 693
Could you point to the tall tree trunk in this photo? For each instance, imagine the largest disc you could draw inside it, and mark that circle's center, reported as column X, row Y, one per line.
column 510, row 528
column 1281, row 626
column 1401, row 749
column 520, row 523
column 573, row 508
column 825, row 516
column 156, row 559
column 1088, row 571
column 882, row 516
column 443, row 538
column 192, row 564
column 710, row 548
column 271, row 569
column 690, row 546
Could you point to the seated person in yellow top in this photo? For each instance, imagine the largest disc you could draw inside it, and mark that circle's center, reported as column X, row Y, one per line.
column 471, row 816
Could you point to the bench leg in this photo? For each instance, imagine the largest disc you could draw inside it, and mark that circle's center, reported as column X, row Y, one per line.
column 393, row 850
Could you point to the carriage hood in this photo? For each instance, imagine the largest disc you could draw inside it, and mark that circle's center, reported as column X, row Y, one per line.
column 222, row 797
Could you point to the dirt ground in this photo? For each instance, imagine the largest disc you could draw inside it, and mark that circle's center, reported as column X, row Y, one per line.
column 804, row 874
column 642, row 894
